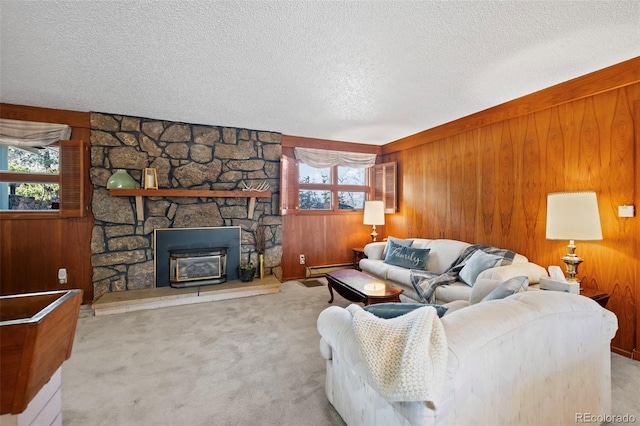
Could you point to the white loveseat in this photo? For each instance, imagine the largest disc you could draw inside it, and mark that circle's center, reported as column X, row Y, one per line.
column 442, row 254
column 533, row 358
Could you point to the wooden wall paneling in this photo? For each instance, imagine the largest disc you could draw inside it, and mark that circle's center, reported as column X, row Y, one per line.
column 76, row 255
column 469, row 180
column 634, row 226
column 488, row 181
column 507, row 175
column 289, row 141
column 76, row 119
column 454, row 160
column 30, row 255
column 531, row 184
column 323, row 239
column 440, row 185
column 413, row 183
column 32, row 250
column 507, row 170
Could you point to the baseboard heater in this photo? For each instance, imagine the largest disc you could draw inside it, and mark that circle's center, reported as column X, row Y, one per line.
column 322, row 270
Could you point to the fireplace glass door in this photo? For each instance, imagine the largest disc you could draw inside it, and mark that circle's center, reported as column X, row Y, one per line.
column 195, row 267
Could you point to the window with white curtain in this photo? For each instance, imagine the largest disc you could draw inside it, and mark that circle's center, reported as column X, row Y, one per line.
column 332, row 180
column 29, row 163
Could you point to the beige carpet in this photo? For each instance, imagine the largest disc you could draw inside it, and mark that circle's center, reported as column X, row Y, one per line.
column 248, row 361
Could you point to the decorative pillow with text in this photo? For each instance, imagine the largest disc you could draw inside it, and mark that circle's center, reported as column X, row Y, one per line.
column 406, row 257
column 398, row 241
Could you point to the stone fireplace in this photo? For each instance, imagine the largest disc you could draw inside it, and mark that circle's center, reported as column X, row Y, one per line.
column 189, row 157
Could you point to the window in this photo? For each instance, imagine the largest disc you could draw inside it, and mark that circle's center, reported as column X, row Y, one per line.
column 384, row 186
column 44, row 179
column 334, row 189
column 331, row 188
column 35, row 185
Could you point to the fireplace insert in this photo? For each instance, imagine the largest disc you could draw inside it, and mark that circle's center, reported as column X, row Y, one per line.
column 197, row 266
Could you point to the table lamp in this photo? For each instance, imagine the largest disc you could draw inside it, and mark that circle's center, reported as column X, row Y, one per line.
column 373, row 215
column 573, row 216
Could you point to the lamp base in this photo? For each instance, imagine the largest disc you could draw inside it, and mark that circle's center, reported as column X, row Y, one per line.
column 572, row 261
column 374, row 234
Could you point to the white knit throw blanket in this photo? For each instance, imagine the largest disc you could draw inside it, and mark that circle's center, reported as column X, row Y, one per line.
column 406, row 355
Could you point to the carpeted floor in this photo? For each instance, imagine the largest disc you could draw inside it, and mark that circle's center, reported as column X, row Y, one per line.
column 247, row 361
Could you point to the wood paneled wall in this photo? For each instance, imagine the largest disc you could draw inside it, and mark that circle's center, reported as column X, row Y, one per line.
column 324, row 239
column 487, row 183
column 33, row 249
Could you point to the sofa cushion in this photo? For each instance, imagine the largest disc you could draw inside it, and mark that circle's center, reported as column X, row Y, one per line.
column 503, row 273
column 376, row 267
column 420, row 243
column 374, row 250
column 481, row 288
column 478, row 262
column 507, row 288
column 395, row 309
column 397, row 241
column 406, row 257
column 443, row 254
column 399, row 275
column 451, row 292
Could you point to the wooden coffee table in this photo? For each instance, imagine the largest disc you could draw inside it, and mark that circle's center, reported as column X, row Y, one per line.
column 359, row 287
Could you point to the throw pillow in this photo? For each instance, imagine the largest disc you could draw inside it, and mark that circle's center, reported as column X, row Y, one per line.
column 395, row 309
column 478, row 262
column 406, row 243
column 507, row 288
column 406, row 257
column 481, row 288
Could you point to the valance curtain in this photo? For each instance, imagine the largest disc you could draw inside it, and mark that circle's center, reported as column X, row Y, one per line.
column 32, row 133
column 321, row 158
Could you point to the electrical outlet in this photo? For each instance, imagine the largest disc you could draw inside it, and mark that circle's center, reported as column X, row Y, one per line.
column 62, row 275
column 302, row 260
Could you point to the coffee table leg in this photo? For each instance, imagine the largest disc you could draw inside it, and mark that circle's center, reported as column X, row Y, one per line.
column 330, row 290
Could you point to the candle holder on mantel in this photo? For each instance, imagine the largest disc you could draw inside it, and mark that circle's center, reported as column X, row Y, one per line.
column 150, row 178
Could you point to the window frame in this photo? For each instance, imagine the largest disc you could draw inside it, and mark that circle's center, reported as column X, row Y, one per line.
column 77, row 162
column 72, row 188
column 290, row 188
column 334, row 187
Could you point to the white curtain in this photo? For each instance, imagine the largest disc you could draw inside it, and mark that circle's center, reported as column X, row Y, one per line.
column 321, row 158
column 32, row 133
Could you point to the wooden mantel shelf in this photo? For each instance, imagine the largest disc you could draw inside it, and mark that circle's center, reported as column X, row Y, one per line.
column 186, row 193
column 203, row 193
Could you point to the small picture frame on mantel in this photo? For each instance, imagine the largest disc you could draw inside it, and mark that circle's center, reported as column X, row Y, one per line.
column 150, row 178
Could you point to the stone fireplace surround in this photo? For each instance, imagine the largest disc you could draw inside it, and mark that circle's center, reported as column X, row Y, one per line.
column 186, row 156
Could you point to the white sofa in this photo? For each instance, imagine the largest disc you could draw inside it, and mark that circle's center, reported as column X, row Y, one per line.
column 533, row 358
column 442, row 254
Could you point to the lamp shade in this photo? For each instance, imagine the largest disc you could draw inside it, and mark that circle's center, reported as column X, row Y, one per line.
column 373, row 213
column 573, row 216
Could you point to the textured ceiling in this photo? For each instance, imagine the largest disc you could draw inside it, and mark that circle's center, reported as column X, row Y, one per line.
column 366, row 72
